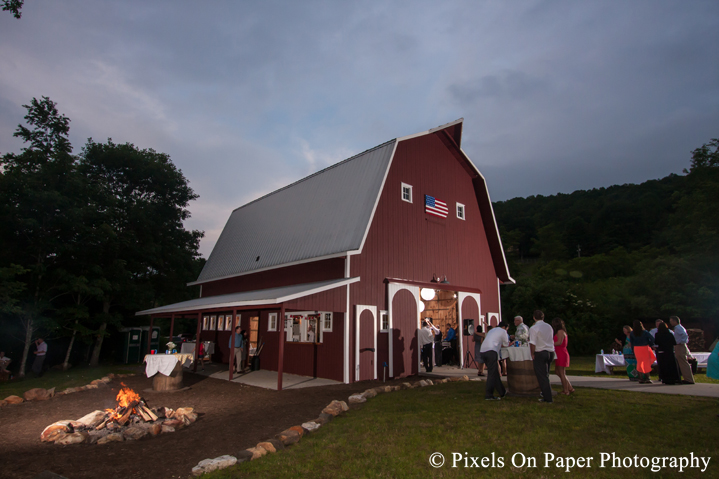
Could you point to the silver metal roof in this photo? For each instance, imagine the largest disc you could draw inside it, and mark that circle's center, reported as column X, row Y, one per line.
column 251, row 298
column 324, row 214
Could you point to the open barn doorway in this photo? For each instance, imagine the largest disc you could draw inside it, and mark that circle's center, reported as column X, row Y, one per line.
column 442, row 307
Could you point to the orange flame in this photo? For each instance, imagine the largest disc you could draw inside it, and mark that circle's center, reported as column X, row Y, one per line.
column 127, row 396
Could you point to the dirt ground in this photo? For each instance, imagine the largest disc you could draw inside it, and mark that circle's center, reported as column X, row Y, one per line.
column 233, row 417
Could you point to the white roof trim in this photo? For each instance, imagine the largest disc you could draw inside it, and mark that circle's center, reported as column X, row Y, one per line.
column 341, row 254
column 274, row 296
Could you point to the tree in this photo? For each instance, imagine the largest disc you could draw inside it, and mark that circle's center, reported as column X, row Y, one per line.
column 136, row 235
column 13, row 6
column 38, row 210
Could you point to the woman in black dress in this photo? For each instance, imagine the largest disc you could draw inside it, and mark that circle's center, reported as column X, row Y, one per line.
column 666, row 361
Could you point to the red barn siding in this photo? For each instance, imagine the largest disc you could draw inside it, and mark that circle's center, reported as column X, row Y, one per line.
column 320, row 360
column 333, row 268
column 332, row 300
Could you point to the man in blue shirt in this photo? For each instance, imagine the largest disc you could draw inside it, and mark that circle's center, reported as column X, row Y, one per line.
column 239, row 343
column 452, row 339
column 681, row 350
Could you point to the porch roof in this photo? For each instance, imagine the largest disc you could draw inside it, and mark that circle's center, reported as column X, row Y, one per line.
column 251, row 298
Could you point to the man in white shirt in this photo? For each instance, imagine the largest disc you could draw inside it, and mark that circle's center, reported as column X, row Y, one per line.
column 493, row 342
column 541, row 346
column 426, row 341
column 40, row 354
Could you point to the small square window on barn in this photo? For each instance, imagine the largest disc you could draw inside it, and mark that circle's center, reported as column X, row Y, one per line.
column 383, row 321
column 406, row 192
column 327, row 322
column 272, row 322
column 460, row 211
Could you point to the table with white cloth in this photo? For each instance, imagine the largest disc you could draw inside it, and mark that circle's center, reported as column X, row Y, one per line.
column 521, row 379
column 605, row 362
column 170, row 368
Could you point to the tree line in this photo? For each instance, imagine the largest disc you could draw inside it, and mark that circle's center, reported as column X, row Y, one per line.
column 88, row 239
column 603, row 257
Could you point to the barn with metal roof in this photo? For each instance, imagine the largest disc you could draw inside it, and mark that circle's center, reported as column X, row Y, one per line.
column 335, row 272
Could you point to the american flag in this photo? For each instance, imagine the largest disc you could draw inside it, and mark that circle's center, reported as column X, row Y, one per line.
column 433, row 206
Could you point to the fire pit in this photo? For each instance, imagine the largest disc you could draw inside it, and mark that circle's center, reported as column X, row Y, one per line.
column 132, row 419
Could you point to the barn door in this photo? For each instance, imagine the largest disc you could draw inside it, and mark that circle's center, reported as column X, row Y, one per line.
column 366, row 343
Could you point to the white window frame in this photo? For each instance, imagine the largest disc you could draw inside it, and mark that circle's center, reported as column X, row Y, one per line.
column 205, row 323
column 383, row 314
column 272, row 322
column 213, row 322
column 460, row 207
column 228, row 322
column 324, row 318
column 409, row 188
column 221, row 322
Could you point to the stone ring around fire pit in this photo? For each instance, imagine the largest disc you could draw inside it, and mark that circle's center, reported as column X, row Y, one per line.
column 132, row 419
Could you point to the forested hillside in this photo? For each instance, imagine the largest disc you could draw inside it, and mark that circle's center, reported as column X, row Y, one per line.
column 604, row 257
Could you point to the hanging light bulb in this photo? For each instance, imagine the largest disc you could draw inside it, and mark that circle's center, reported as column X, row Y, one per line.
column 427, row 294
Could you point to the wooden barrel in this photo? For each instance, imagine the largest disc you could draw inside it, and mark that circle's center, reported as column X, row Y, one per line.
column 160, row 382
column 521, row 378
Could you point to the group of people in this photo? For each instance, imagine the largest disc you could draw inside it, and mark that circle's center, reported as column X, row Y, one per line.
column 667, row 344
column 430, row 345
column 545, row 343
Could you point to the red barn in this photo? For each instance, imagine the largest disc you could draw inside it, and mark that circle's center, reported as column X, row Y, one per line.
column 342, row 255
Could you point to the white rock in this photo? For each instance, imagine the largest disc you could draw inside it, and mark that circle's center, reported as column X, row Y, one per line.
column 370, row 393
column 209, row 465
column 357, row 398
column 73, row 438
column 93, row 419
column 429, row 382
column 310, row 426
column 423, row 383
column 114, row 437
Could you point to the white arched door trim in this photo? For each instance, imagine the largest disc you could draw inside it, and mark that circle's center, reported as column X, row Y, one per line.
column 358, row 313
column 392, row 290
column 462, row 296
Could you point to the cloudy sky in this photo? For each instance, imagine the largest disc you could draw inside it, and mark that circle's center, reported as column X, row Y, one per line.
column 247, row 97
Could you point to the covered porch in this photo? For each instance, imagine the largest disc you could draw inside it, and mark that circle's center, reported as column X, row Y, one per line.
column 267, row 310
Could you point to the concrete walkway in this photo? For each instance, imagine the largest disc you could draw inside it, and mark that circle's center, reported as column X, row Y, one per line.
column 262, row 378
column 616, row 383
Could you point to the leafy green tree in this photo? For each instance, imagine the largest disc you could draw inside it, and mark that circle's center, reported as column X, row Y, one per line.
column 136, row 234
column 38, row 210
column 13, row 6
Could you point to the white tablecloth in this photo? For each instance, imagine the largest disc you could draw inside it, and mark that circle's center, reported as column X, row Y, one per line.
column 605, row 361
column 165, row 363
column 521, row 353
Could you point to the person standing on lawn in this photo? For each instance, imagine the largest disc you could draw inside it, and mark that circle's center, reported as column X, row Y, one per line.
column 237, row 360
column 522, row 332
column 642, row 343
column 493, row 342
column 478, row 337
column 666, row 361
column 40, row 353
column 681, row 350
column 541, row 347
column 560, row 349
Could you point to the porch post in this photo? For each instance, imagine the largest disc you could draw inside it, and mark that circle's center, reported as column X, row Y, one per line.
column 232, row 343
column 149, row 337
column 172, row 325
column 197, row 342
column 281, row 347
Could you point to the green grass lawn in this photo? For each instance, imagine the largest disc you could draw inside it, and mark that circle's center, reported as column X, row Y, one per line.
column 393, row 435
column 60, row 380
column 584, row 366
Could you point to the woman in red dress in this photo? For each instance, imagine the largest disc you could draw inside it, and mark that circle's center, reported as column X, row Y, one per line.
column 562, row 355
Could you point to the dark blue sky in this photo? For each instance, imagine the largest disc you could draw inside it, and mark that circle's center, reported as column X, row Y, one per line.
column 247, row 97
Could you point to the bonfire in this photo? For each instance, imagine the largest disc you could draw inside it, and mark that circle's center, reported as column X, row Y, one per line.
column 132, row 419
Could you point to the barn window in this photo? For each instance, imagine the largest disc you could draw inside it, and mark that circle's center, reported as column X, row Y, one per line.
column 272, row 322
column 205, row 322
column 460, row 211
column 221, row 323
column 406, row 192
column 327, row 322
column 383, row 321
column 305, row 327
column 228, row 322
column 213, row 323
